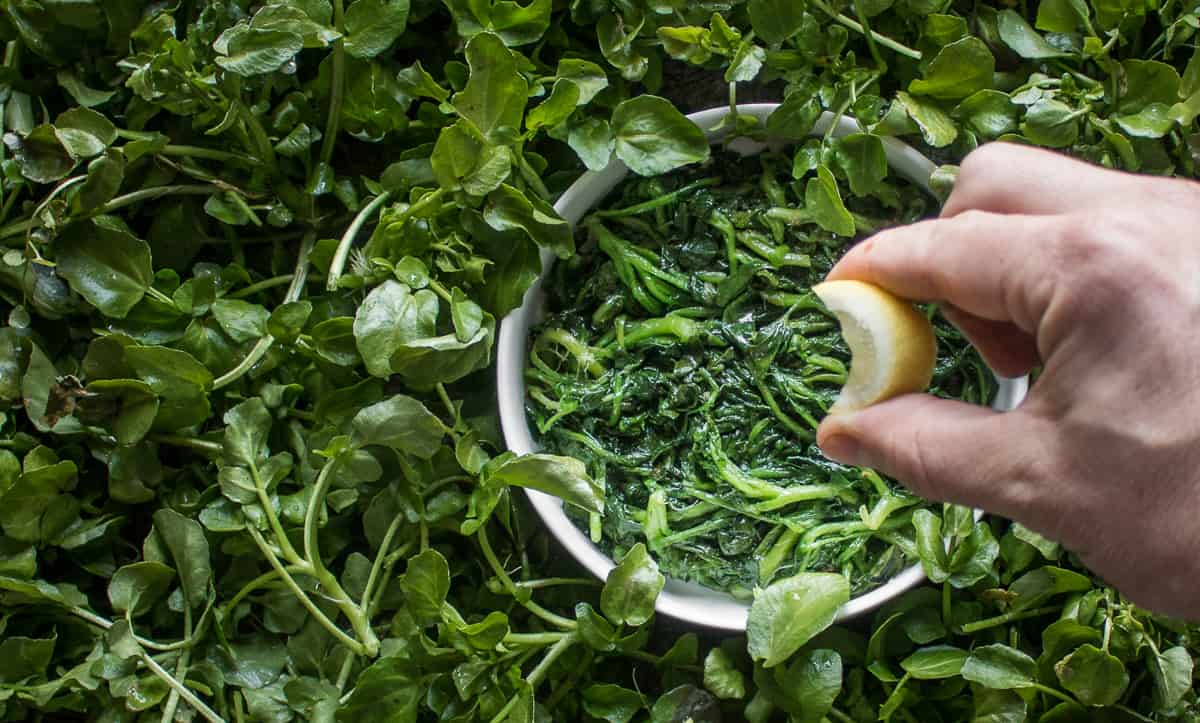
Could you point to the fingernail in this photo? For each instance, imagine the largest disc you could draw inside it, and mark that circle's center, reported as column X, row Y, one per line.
column 841, row 448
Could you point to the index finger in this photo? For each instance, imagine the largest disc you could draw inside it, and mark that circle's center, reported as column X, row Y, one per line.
column 993, row 266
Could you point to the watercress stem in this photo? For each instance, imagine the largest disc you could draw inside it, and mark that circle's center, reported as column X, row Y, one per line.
column 338, row 263
column 883, row 40
column 205, row 712
column 259, row 286
column 299, row 276
column 1006, row 618
column 212, row 449
column 490, row 555
column 337, row 85
column 355, row 646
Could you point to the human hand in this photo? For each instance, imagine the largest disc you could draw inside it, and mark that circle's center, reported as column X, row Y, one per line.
column 1095, row 275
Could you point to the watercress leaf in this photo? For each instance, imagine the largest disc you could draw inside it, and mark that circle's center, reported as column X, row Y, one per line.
column 974, row 556
column 39, row 506
column 40, row 155
column 494, row 96
column 390, row 316
column 1023, row 39
column 958, row 70
column 418, row 83
column 775, row 20
column 632, row 588
column 104, row 177
column 1171, row 670
column 109, row 267
column 425, row 583
column 136, row 587
column 789, row 612
column 998, row 706
column 862, row 158
column 466, row 315
column 390, row 689
column 1094, row 676
column 937, row 128
column 23, row 658
column 1034, row 588
column 241, row 320
column 592, row 140
column 746, row 63
column 588, row 77
column 1153, row 121
column 616, row 35
column 1050, row 122
column 721, row 676
column 80, row 92
column 463, row 158
column 1061, row 16
column 556, row 108
column 562, row 477
column 824, row 202
column 612, row 703
column 935, row 662
column 184, row 538
column 253, row 51
column 514, row 23
column 1145, row 83
column 287, row 320
column 400, row 422
column 125, row 407
column 1001, row 667
column 652, row 136
column 685, row 704
column 508, row 209
column 990, row 113
column 373, row 25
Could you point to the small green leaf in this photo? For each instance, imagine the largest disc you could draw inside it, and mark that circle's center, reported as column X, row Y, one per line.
column 823, row 202
column 1024, row 40
column 556, row 108
column 685, row 704
column 935, row 662
column 653, row 137
column 612, row 703
column 136, row 587
column 1095, row 677
column 632, row 588
column 402, row 423
column 373, row 25
column 1000, row 667
column 109, row 267
column 588, row 77
column 255, row 51
column 425, row 583
column 862, row 158
column 776, row 20
column 563, row 477
column 494, row 97
column 958, row 70
column 721, row 676
column 1034, row 588
column 789, row 612
column 593, row 141
column 184, row 538
column 508, row 209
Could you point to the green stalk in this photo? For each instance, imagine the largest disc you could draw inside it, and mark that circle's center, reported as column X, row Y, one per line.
column 664, row 200
column 322, row 619
column 972, row 628
column 883, row 40
column 205, row 712
column 299, row 276
column 511, row 588
column 342, row 253
column 337, row 86
column 258, row 286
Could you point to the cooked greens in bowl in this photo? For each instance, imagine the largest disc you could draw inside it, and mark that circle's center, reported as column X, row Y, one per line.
column 685, row 361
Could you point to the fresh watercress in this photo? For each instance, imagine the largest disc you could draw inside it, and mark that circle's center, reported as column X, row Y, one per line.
column 265, row 167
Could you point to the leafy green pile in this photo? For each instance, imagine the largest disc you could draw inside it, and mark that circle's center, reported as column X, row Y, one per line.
column 253, row 259
column 686, row 361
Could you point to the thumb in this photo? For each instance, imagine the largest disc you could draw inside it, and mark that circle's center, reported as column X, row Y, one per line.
column 940, row 449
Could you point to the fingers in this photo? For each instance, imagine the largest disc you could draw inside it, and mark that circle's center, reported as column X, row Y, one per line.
column 942, row 450
column 1007, row 350
column 989, row 265
column 1011, row 178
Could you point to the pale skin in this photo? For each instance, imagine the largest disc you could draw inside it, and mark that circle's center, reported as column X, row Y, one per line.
column 1094, row 275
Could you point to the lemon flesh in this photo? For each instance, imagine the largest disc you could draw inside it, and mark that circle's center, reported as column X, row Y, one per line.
column 892, row 346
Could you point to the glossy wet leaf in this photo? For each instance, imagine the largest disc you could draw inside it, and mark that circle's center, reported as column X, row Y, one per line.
column 788, row 613
column 402, row 423
column 562, row 477
column 632, row 588
column 1001, row 667
column 651, row 136
column 109, row 267
column 1094, row 676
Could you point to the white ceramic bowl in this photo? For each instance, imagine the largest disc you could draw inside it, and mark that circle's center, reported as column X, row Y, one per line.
column 683, row 600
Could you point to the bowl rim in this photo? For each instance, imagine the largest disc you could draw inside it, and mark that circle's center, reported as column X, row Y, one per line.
column 684, row 601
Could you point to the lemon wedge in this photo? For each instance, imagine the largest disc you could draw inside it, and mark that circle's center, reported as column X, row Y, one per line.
column 892, row 347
